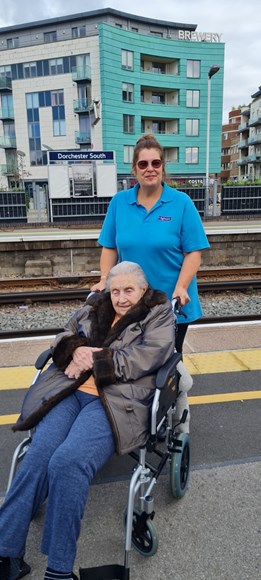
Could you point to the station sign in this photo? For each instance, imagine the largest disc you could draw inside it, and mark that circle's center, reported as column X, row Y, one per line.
column 81, row 155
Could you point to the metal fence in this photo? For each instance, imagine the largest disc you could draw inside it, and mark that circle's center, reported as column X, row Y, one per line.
column 94, row 209
column 13, row 207
column 241, row 200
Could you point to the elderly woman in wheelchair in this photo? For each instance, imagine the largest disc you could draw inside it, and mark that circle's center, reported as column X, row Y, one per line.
column 94, row 399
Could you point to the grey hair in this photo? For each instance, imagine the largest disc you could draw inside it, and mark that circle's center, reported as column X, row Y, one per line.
column 127, row 268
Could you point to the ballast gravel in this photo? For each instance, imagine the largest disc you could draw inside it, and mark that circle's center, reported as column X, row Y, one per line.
column 55, row 315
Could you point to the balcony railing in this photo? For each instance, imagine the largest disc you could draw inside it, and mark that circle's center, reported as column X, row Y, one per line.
column 7, row 113
column 82, row 137
column 8, row 142
column 254, row 139
column 242, row 161
column 81, row 73
column 5, row 84
column 242, row 143
column 80, row 106
column 242, row 127
column 254, row 121
column 9, row 169
column 254, row 159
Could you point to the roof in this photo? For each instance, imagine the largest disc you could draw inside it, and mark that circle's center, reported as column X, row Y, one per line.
column 98, row 13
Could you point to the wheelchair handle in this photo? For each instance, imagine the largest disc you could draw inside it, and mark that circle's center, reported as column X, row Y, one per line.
column 175, row 302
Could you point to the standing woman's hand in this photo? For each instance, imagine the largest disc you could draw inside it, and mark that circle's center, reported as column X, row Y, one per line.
column 181, row 292
column 99, row 286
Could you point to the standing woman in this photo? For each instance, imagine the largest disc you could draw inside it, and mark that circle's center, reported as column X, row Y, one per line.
column 159, row 228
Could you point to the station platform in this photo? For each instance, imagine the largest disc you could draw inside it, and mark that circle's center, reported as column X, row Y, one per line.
column 213, row 533
column 70, row 232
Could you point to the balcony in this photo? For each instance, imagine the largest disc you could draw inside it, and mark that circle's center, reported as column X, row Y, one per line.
column 5, row 84
column 81, row 73
column 254, row 121
column 242, row 161
column 242, row 127
column 246, row 112
column 254, row 158
column 8, row 142
column 255, row 139
column 80, row 106
column 9, row 169
column 243, row 143
column 7, row 113
column 82, row 138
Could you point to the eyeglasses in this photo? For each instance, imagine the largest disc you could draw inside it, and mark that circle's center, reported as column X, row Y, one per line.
column 155, row 163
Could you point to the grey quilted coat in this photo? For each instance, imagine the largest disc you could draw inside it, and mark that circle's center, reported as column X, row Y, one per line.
column 124, row 370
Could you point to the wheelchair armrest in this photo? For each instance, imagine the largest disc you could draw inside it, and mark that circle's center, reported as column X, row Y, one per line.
column 165, row 371
column 43, row 359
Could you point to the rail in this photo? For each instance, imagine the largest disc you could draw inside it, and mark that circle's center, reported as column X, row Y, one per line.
column 40, row 332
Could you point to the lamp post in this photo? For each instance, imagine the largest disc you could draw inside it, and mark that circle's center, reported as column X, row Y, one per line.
column 212, row 71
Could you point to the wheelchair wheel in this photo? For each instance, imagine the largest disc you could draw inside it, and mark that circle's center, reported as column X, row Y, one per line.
column 144, row 538
column 179, row 467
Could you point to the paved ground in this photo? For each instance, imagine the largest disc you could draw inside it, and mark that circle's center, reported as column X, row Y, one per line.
column 214, row 532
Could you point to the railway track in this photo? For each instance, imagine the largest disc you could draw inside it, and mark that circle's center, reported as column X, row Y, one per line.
column 82, row 293
column 41, row 332
column 87, row 280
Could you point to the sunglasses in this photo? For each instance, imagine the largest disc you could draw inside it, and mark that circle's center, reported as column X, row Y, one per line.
column 155, row 163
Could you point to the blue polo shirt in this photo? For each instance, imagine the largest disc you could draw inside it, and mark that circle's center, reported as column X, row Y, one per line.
column 156, row 239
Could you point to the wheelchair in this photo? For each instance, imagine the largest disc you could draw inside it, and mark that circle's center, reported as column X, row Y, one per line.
column 140, row 533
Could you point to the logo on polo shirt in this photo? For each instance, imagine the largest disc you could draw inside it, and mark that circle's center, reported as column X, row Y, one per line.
column 165, row 218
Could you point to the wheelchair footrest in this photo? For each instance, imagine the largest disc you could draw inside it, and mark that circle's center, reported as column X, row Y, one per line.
column 109, row 572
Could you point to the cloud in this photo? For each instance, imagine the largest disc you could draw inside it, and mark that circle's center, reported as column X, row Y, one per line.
column 239, row 24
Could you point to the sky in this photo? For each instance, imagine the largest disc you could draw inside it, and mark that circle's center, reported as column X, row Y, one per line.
column 237, row 20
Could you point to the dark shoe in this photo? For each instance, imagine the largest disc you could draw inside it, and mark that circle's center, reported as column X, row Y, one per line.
column 5, row 569
column 24, row 568
column 74, row 577
column 162, row 432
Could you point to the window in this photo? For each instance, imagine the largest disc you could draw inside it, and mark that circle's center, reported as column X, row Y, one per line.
column 57, row 98
column 127, row 59
column 225, row 136
column 192, row 98
column 159, row 67
column 7, row 106
column 9, row 129
column 56, row 66
column 5, row 71
column 78, row 31
column 118, row 25
column 12, row 42
column 128, row 123
column 58, row 110
column 30, row 70
column 156, row 33
column 128, row 153
column 158, row 98
column 192, row 127
column 134, row 29
column 50, row 36
column 191, row 154
column 159, row 127
column 193, row 69
column 127, row 92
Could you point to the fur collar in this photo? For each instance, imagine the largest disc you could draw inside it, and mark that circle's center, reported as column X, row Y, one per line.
column 102, row 315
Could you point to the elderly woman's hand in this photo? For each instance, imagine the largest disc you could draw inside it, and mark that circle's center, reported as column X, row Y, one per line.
column 73, row 371
column 83, row 358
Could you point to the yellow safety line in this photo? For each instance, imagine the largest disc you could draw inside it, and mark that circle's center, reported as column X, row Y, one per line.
column 8, row 419
column 224, row 397
column 197, row 400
